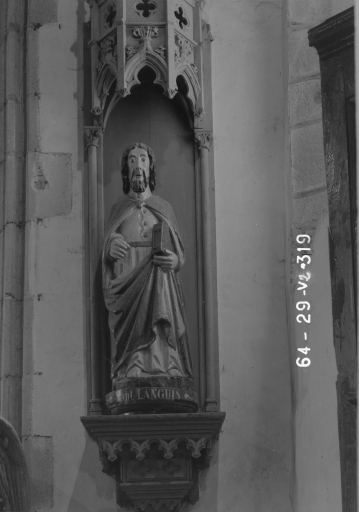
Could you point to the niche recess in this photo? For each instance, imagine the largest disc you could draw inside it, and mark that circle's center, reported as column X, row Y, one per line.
column 148, row 64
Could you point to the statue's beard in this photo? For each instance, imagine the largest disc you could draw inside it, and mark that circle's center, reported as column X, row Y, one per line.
column 139, row 183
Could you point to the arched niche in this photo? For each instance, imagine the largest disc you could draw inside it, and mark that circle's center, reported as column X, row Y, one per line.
column 172, row 112
column 150, row 82
column 146, row 115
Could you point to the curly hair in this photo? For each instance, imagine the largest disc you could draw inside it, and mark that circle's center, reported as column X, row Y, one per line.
column 124, row 167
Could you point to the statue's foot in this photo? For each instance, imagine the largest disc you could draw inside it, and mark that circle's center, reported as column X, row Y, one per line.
column 175, row 373
column 135, row 372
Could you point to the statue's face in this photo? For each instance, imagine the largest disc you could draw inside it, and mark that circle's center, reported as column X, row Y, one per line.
column 138, row 169
column 138, row 161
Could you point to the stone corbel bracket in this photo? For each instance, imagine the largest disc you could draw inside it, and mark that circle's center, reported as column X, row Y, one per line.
column 155, row 457
column 168, row 447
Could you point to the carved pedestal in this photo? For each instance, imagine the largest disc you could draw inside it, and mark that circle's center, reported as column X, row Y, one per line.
column 155, row 457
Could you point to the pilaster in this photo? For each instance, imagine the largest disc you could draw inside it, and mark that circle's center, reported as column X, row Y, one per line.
column 93, row 136
column 204, row 140
column 12, row 271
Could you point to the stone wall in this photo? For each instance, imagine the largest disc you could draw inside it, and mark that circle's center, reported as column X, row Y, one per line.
column 43, row 343
column 54, row 366
column 317, row 463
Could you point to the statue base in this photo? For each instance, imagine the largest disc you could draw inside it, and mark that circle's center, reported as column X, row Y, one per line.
column 155, row 458
column 152, row 395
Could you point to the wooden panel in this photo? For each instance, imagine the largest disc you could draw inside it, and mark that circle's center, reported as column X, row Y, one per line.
column 341, row 194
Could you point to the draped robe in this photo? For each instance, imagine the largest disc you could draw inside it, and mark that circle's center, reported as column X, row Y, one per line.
column 147, row 318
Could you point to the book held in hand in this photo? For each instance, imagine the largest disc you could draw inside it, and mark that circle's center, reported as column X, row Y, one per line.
column 161, row 239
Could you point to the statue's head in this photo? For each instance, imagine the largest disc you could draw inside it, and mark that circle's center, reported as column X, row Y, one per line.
column 138, row 168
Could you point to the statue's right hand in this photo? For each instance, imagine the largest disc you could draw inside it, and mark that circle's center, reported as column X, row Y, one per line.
column 118, row 248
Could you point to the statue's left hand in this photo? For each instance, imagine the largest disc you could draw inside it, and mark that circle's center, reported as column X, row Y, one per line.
column 168, row 262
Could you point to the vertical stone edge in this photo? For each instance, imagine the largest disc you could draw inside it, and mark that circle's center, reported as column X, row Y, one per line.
column 13, row 221
column 206, row 125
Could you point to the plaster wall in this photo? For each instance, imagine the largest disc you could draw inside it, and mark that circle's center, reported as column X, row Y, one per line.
column 254, row 468
column 318, row 482
column 341, row 5
column 315, row 423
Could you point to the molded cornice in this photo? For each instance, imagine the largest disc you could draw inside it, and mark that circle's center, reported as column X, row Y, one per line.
column 334, row 34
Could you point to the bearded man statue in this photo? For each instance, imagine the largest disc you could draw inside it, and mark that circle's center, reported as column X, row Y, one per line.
column 150, row 354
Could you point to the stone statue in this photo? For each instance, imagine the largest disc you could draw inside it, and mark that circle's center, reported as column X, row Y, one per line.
column 14, row 478
column 150, row 355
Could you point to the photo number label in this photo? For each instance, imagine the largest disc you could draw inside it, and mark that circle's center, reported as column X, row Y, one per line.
column 303, row 305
